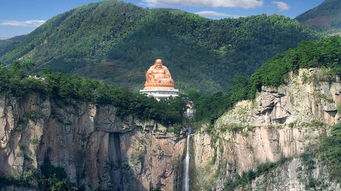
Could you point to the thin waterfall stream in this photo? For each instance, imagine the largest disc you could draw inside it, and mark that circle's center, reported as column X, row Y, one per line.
column 189, row 115
column 186, row 162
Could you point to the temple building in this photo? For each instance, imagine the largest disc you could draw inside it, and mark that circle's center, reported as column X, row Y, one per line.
column 159, row 83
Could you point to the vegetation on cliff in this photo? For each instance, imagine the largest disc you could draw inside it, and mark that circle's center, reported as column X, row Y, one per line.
column 275, row 72
column 48, row 177
column 327, row 153
column 15, row 80
column 247, row 177
column 117, row 42
column 330, row 151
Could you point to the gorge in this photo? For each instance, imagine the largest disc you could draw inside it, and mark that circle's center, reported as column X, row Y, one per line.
column 99, row 150
column 276, row 129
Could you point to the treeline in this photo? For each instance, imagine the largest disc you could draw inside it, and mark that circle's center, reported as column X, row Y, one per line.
column 16, row 80
column 312, row 54
column 117, row 42
column 204, row 54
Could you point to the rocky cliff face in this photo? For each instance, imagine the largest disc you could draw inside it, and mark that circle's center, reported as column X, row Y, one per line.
column 96, row 148
column 294, row 175
column 280, row 123
column 100, row 150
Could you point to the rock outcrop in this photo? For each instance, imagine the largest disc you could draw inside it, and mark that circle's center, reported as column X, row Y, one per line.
column 294, row 175
column 281, row 122
column 96, row 148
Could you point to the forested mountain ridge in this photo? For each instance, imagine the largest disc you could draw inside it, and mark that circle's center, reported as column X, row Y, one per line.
column 326, row 16
column 117, row 42
column 67, row 133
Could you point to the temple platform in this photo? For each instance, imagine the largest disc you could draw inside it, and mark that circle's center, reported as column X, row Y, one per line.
column 160, row 94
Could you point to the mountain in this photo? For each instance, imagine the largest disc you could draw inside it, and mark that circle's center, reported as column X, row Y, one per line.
column 326, row 16
column 61, row 132
column 117, row 42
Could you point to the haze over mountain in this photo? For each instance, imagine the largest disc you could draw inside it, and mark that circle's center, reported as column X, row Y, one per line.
column 326, row 16
column 117, row 42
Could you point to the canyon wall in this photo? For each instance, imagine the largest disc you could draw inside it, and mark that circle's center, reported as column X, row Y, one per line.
column 297, row 175
column 280, row 123
column 100, row 150
column 96, row 148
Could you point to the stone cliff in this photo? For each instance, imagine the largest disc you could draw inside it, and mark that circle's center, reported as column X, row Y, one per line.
column 100, row 150
column 280, row 123
column 296, row 175
column 96, row 148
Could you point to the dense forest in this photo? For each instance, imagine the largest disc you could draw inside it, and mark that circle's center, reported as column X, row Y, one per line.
column 98, row 53
column 16, row 81
column 311, row 54
column 116, row 42
column 326, row 53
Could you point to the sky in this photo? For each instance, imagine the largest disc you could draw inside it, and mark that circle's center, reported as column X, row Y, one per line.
column 19, row 17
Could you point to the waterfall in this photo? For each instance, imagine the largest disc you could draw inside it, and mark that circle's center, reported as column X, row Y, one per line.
column 189, row 115
column 186, row 162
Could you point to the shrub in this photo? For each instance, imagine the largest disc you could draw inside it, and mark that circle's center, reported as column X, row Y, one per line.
column 247, row 177
column 15, row 80
column 330, row 149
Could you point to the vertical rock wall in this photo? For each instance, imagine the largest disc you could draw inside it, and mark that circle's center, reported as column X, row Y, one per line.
column 281, row 122
column 99, row 150
column 294, row 175
column 96, row 148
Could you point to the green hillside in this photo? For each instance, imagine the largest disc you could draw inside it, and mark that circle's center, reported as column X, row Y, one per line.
column 326, row 16
column 275, row 72
column 117, row 42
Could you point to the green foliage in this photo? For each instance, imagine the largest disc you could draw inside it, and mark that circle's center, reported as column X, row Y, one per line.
column 54, row 178
column 15, row 80
column 30, row 177
column 247, row 177
column 330, row 148
column 47, row 178
column 35, row 141
column 117, row 42
column 305, row 77
column 325, row 53
column 34, row 115
column 308, row 159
